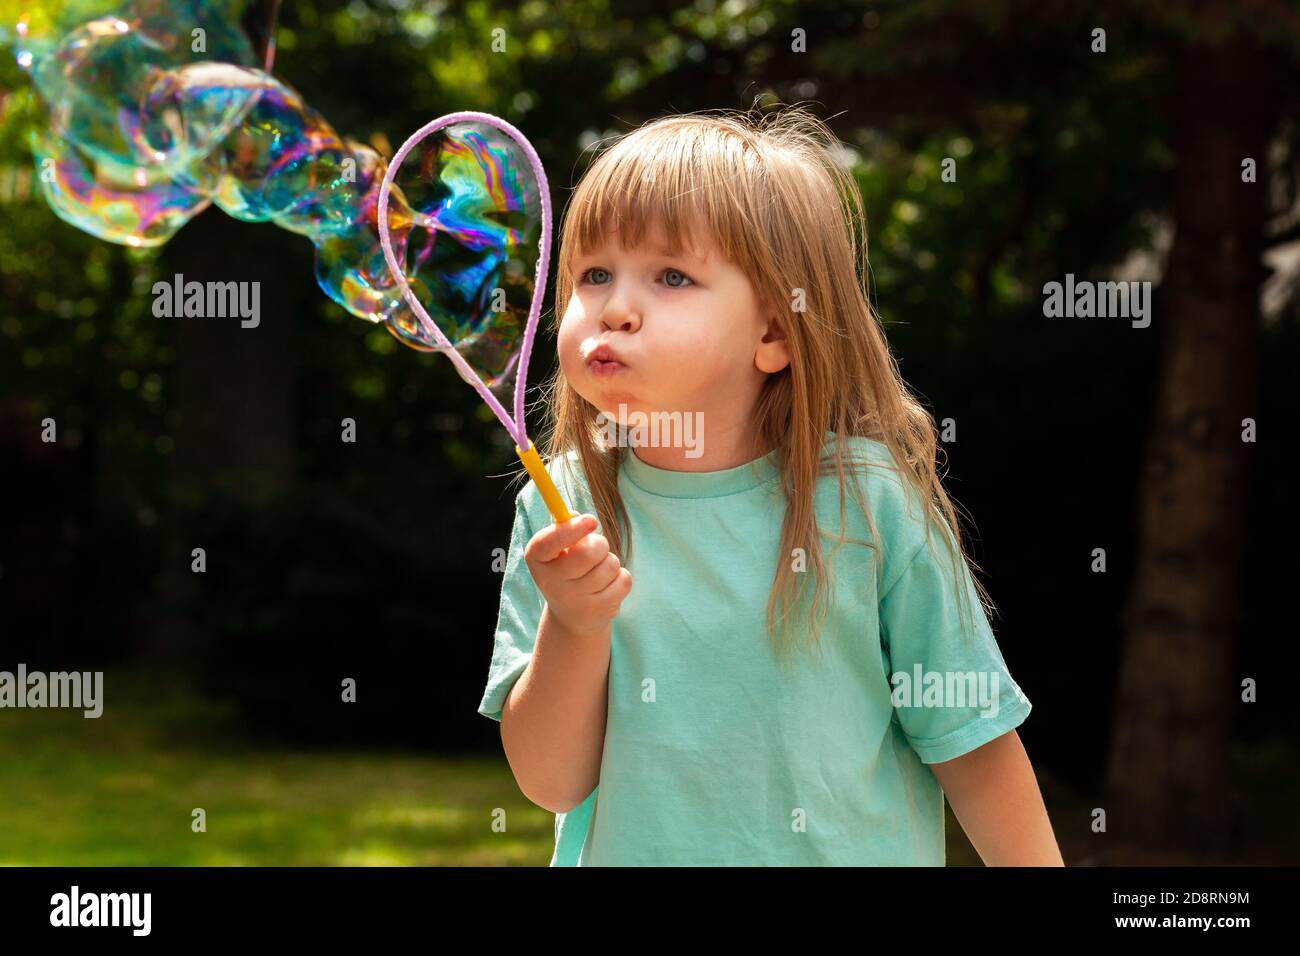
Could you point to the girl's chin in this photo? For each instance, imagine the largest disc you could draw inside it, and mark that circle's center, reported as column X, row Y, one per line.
column 619, row 410
column 613, row 401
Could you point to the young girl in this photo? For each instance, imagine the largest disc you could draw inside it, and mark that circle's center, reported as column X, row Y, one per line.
column 684, row 674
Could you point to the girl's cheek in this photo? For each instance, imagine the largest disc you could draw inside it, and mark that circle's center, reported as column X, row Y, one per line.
column 573, row 314
column 567, row 340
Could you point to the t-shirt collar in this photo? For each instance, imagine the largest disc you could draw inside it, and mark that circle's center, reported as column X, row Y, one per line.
column 700, row 484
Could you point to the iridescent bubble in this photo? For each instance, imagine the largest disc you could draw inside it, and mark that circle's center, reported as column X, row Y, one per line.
column 127, row 204
column 96, row 78
column 157, row 109
column 474, row 193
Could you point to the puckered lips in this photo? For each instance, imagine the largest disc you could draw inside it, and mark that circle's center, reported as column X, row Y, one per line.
column 603, row 360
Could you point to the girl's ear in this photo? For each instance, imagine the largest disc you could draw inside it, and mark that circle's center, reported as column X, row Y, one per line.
column 773, row 352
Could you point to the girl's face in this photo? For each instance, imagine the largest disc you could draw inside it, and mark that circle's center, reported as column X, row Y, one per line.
column 686, row 332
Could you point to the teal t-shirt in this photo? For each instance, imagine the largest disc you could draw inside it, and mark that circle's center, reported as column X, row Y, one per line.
column 717, row 753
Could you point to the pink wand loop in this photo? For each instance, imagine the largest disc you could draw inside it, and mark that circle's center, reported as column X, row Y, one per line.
column 516, row 427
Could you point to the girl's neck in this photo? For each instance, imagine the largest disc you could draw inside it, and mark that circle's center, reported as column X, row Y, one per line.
column 718, row 453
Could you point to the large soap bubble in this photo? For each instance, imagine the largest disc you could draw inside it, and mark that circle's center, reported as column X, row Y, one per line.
column 155, row 110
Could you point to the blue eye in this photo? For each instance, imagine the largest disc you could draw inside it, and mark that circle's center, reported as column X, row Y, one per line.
column 589, row 276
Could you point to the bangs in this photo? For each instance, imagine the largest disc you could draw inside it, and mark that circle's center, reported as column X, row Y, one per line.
column 657, row 184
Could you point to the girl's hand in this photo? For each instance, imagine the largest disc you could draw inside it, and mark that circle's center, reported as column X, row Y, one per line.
column 583, row 582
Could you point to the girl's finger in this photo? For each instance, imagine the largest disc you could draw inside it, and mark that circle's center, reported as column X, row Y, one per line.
column 549, row 543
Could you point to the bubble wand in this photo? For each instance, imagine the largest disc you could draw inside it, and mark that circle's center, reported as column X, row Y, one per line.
column 516, row 427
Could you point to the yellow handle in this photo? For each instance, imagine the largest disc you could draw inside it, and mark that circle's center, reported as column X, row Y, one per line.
column 542, row 478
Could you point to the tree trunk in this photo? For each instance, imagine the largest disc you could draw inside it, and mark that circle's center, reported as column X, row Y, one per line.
column 1168, row 783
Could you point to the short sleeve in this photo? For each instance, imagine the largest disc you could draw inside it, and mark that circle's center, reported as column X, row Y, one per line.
column 951, row 689
column 518, row 617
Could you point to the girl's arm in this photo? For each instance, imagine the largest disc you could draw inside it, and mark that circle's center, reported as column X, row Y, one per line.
column 553, row 719
column 995, row 797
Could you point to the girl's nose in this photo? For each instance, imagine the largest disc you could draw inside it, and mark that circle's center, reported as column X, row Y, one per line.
column 618, row 317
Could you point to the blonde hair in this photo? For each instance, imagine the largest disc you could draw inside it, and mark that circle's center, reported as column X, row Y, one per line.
column 770, row 192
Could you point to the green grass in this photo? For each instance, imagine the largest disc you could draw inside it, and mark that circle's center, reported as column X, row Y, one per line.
column 120, row 790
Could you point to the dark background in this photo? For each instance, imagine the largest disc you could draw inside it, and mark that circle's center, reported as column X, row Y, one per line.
column 373, row 560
